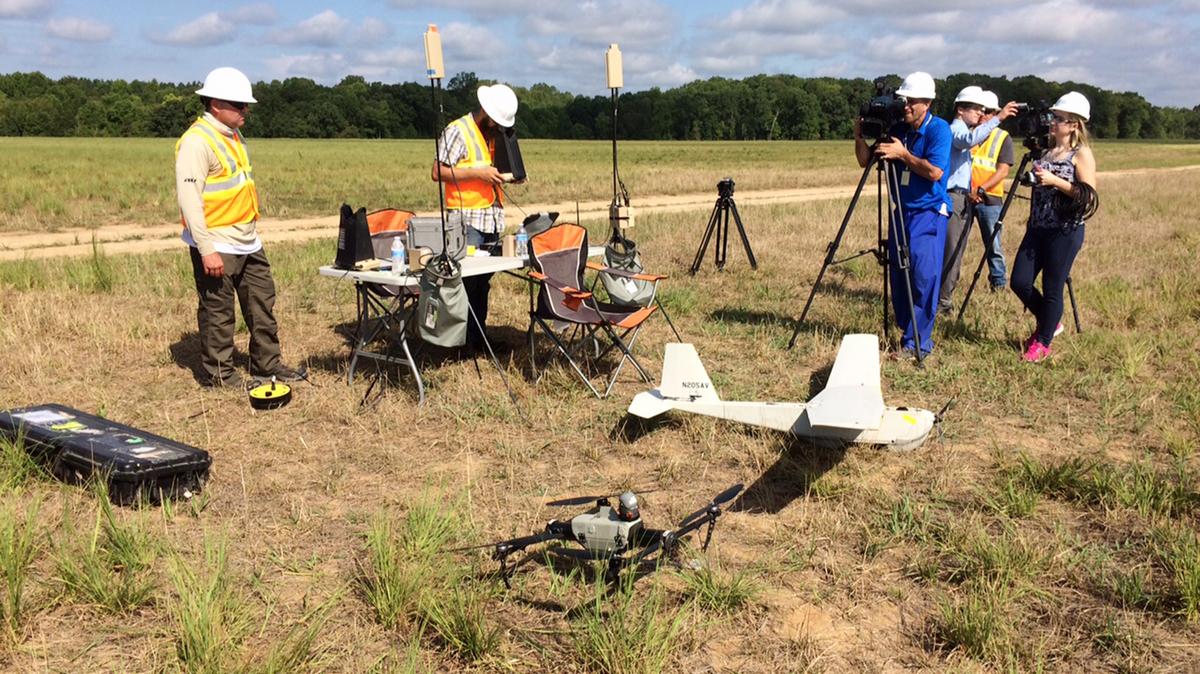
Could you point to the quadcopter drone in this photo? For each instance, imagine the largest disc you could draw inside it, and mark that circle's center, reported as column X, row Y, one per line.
column 613, row 535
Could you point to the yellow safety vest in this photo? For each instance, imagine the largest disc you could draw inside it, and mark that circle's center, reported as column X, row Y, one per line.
column 983, row 162
column 472, row 193
column 229, row 196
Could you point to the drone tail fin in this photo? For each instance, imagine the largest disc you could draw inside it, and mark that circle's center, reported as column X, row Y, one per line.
column 684, row 379
column 852, row 397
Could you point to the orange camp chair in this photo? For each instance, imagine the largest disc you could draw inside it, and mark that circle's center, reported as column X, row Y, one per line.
column 558, row 257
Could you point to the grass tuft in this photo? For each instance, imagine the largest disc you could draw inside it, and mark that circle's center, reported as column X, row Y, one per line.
column 721, row 592
column 460, row 619
column 624, row 633
column 17, row 466
column 208, row 612
column 1178, row 550
column 18, row 547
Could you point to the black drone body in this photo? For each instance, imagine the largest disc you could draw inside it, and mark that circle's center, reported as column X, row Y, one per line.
column 615, row 535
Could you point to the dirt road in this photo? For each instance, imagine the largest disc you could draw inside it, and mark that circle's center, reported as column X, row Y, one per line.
column 117, row 239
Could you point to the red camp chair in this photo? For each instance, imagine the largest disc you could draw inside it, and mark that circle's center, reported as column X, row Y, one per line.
column 558, row 257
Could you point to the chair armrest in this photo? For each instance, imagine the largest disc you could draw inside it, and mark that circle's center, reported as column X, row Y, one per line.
column 596, row 266
column 572, row 293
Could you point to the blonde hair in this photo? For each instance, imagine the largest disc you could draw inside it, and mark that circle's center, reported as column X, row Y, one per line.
column 1079, row 137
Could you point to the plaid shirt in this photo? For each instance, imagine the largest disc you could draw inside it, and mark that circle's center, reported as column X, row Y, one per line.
column 488, row 220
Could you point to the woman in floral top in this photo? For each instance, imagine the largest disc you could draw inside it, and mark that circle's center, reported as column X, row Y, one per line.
column 1065, row 180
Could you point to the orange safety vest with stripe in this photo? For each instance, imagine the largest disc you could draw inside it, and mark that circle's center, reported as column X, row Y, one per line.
column 472, row 193
column 984, row 160
column 230, row 197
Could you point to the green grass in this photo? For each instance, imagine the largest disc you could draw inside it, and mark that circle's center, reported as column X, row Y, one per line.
column 721, row 591
column 18, row 548
column 460, row 618
column 208, row 611
column 628, row 632
column 18, row 468
column 111, row 566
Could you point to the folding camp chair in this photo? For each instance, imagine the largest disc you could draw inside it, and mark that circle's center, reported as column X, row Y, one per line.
column 385, row 311
column 558, row 257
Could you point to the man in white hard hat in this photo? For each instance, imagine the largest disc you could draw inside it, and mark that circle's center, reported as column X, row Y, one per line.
column 967, row 131
column 991, row 161
column 919, row 149
column 218, row 203
column 474, row 199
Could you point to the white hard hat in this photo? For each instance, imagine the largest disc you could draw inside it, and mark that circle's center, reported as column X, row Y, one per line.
column 991, row 101
column 1074, row 103
column 227, row 84
column 972, row 94
column 499, row 102
column 917, row 85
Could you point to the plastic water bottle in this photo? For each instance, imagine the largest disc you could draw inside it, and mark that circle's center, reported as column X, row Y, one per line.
column 398, row 264
column 522, row 242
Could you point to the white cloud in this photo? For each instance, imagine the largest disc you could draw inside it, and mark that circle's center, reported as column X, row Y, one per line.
column 779, row 16
column 320, row 30
column 23, row 9
column 628, row 22
column 470, row 46
column 326, row 66
column 204, row 31
column 79, row 30
column 259, row 14
column 1062, row 21
column 372, row 30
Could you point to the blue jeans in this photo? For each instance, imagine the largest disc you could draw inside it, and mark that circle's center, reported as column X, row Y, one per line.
column 478, row 287
column 987, row 216
column 926, row 244
column 1050, row 252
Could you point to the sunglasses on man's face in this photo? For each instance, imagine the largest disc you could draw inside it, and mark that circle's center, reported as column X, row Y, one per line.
column 236, row 105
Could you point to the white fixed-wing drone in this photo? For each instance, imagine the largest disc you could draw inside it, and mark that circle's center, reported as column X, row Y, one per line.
column 849, row 409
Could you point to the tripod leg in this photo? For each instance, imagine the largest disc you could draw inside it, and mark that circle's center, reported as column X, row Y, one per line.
column 721, row 251
column 831, row 250
column 737, row 218
column 904, row 256
column 1074, row 304
column 708, row 232
column 999, row 226
column 882, row 250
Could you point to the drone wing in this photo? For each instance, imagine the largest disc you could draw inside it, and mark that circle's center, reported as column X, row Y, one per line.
column 853, row 397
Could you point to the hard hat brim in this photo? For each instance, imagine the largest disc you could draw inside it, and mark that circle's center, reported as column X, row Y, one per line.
column 202, row 91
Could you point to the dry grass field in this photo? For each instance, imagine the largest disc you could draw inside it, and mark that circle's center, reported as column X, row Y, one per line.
column 1051, row 525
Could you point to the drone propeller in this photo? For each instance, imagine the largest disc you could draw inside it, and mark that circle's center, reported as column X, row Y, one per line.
column 716, row 502
column 473, row 547
column 584, row 500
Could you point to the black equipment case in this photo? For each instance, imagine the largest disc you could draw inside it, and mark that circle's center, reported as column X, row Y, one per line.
column 76, row 445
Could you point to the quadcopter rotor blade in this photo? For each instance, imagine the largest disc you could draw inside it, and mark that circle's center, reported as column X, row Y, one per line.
column 585, row 500
column 473, row 547
column 718, row 500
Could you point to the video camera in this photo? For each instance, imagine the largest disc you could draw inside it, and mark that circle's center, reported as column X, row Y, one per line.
column 725, row 188
column 1034, row 124
column 882, row 112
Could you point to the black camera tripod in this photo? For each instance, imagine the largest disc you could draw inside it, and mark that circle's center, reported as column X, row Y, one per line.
column 718, row 222
column 1008, row 199
column 883, row 170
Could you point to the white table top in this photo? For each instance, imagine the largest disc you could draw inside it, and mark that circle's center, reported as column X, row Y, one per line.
column 471, row 266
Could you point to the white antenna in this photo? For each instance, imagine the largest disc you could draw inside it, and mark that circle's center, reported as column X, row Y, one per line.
column 433, row 53
column 620, row 214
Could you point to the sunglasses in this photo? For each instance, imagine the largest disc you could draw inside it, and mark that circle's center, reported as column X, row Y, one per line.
column 240, row 107
column 1061, row 120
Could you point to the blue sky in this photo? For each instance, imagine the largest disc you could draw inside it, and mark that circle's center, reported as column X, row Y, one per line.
column 1148, row 46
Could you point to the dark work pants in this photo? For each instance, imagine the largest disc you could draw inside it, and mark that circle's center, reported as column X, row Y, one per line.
column 1050, row 252
column 478, row 287
column 248, row 277
column 956, row 232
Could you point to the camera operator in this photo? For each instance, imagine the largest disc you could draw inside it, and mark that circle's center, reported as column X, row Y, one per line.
column 966, row 132
column 919, row 148
column 991, row 161
column 1064, row 195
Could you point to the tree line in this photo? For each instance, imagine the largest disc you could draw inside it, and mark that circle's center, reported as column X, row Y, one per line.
column 761, row 107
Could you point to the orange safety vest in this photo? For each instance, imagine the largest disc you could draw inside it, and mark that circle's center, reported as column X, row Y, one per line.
column 472, row 193
column 229, row 196
column 983, row 162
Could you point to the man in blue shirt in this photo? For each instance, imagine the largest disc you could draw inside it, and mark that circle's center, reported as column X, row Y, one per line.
column 919, row 151
column 966, row 132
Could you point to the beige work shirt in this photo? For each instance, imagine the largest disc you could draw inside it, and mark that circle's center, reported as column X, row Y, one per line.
column 193, row 165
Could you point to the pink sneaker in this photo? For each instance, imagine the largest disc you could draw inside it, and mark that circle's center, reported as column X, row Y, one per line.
column 1058, row 330
column 1036, row 352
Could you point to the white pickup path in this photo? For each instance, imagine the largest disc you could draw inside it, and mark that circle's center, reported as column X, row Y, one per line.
column 849, row 409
